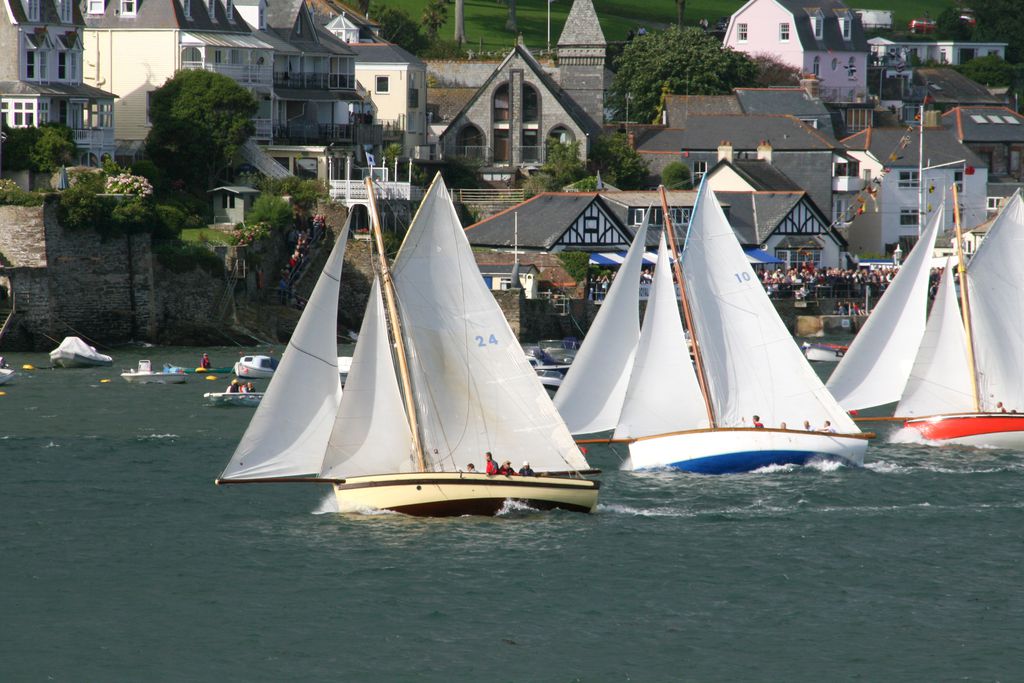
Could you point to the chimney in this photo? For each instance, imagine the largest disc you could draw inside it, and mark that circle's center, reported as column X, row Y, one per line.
column 631, row 137
column 725, row 151
column 811, row 85
column 932, row 118
column 764, row 151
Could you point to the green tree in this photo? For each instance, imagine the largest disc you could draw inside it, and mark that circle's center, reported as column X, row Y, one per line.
column 676, row 176
column 989, row 70
column 199, row 120
column 54, row 148
column 576, row 263
column 434, row 16
column 1001, row 20
column 772, row 71
column 397, row 26
column 619, row 163
column 271, row 209
column 949, row 26
column 17, row 148
column 679, row 61
column 391, row 152
column 563, row 162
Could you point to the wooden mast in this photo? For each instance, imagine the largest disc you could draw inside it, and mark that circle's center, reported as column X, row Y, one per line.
column 701, row 380
column 396, row 328
column 965, row 302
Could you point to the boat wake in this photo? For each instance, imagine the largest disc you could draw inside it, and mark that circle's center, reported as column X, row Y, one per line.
column 640, row 512
column 328, row 506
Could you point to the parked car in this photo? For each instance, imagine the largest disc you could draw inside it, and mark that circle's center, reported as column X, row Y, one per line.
column 922, row 25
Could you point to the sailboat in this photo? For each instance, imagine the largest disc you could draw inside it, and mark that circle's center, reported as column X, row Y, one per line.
column 966, row 382
column 700, row 416
column 437, row 380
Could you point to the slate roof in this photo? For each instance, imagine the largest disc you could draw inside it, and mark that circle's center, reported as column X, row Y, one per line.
column 506, row 268
column 282, row 17
column 53, row 89
column 763, row 176
column 582, row 26
column 384, row 53
column 542, row 220
column 446, row 103
column 681, row 107
column 940, row 145
column 949, row 87
column 967, row 129
column 754, row 216
column 744, row 131
column 831, row 38
column 168, row 14
column 48, row 14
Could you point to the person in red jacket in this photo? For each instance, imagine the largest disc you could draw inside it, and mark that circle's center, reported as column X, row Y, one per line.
column 492, row 466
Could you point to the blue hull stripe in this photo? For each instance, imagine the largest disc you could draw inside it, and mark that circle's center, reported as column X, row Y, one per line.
column 732, row 463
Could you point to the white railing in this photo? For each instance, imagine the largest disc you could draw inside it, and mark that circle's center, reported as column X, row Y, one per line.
column 355, row 191
column 847, row 183
column 242, row 73
column 263, row 129
column 93, row 138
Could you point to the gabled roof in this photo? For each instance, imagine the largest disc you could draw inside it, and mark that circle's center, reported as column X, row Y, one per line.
column 681, row 107
column 543, row 219
column 754, row 216
column 384, row 53
column 235, row 189
column 985, row 124
column 157, row 14
column 54, row 88
column 760, row 175
column 940, row 146
column 950, row 87
column 581, row 26
column 446, row 103
column 831, row 38
column 744, row 131
column 284, row 15
column 567, row 103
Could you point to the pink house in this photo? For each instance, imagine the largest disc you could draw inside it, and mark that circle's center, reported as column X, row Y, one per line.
column 824, row 38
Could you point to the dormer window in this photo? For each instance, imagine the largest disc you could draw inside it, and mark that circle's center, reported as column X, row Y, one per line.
column 33, row 10
column 186, row 8
column 229, row 9
column 818, row 23
column 211, row 7
column 94, row 7
column 127, row 8
column 261, row 20
column 845, row 24
column 65, row 11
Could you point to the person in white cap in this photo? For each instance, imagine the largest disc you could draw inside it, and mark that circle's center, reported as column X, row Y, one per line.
column 525, row 470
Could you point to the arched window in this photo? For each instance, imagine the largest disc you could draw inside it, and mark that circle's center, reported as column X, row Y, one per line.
column 191, row 56
column 835, row 63
column 561, row 134
column 501, row 103
column 817, row 66
column 470, row 142
column 531, row 104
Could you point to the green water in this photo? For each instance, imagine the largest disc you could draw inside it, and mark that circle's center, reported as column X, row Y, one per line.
column 120, row 560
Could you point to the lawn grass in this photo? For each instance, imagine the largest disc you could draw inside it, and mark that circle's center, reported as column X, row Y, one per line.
column 485, row 19
column 204, row 235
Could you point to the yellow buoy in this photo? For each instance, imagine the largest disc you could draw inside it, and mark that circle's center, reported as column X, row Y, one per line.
column 3, row 393
column 104, row 381
column 28, row 366
column 211, row 377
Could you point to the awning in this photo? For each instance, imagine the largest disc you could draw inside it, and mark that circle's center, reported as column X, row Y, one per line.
column 223, row 40
column 755, row 255
column 615, row 258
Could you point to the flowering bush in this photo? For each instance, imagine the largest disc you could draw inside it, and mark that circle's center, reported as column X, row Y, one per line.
column 245, row 235
column 126, row 183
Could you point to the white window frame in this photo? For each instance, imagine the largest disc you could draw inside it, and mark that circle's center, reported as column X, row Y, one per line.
column 387, row 85
column 34, row 10
column 817, row 24
column 909, row 180
column 229, row 10
column 741, row 32
column 909, row 217
column 700, row 168
column 22, row 114
column 211, row 9
column 62, row 65
column 784, row 32
column 65, row 11
column 186, row 8
column 993, row 203
column 845, row 27
column 128, row 8
column 94, row 7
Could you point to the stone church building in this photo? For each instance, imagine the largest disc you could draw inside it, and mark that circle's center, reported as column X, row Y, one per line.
column 508, row 120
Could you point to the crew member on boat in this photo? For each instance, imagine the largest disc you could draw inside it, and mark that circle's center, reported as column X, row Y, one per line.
column 234, row 387
column 204, row 362
column 757, row 422
column 491, row 465
column 526, row 470
column 506, row 468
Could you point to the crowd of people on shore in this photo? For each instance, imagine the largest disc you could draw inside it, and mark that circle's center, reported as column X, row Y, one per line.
column 809, row 282
column 299, row 243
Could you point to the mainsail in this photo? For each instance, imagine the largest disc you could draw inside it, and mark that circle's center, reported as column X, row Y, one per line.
column 371, row 431
column 292, row 424
column 876, row 367
column 995, row 278
column 591, row 396
column 663, row 395
column 940, row 381
column 752, row 364
column 474, row 389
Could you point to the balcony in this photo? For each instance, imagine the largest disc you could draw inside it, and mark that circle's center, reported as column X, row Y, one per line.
column 263, row 130
column 314, row 81
column 93, row 139
column 394, row 130
column 244, row 74
column 326, row 133
column 844, row 94
column 475, row 152
column 532, row 154
column 354, row 191
column 847, row 183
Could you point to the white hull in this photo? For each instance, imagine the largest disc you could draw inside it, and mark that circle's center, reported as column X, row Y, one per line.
column 725, row 451
column 449, row 494
column 76, row 360
column 6, row 375
column 256, row 367
column 155, row 377
column 823, row 354
column 234, row 399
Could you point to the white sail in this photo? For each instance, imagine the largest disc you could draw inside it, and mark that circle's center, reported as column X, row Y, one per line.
column 590, row 398
column 876, row 366
column 940, row 381
column 663, row 394
column 996, row 280
column 752, row 363
column 474, row 389
column 371, row 432
column 289, row 432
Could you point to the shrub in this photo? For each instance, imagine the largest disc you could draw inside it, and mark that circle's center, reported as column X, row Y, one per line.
column 11, row 194
column 576, row 263
column 182, row 257
column 54, row 148
column 172, row 219
column 245, row 235
column 126, row 183
column 676, row 176
column 150, row 172
column 272, row 210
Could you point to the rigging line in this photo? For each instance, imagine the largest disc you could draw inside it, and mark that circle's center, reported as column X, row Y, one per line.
column 92, row 341
column 313, row 355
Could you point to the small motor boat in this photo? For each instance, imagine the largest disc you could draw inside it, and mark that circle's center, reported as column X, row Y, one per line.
column 145, row 374
column 256, row 367
column 823, row 353
column 75, row 353
column 229, row 398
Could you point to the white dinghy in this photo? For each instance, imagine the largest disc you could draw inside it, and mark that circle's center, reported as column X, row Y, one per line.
column 457, row 386
column 75, row 353
column 145, row 374
column 256, row 367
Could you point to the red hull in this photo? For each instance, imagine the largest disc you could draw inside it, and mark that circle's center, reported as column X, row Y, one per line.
column 972, row 427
